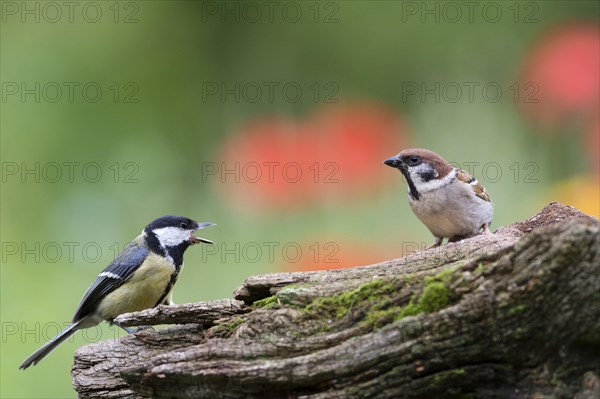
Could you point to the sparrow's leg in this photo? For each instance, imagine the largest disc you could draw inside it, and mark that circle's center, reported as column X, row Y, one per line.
column 456, row 238
column 485, row 229
column 437, row 243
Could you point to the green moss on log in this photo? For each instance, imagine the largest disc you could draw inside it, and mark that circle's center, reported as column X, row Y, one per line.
column 228, row 327
column 267, row 302
column 435, row 297
column 339, row 305
column 380, row 302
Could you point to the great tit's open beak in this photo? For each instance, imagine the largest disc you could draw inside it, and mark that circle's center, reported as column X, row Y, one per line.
column 196, row 240
column 394, row 162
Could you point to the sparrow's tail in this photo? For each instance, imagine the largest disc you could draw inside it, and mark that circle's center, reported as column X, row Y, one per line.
column 49, row 346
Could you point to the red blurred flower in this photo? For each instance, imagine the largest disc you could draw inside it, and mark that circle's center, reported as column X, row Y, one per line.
column 564, row 67
column 593, row 144
column 335, row 154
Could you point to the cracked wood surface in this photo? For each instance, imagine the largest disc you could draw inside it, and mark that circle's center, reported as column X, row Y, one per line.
column 203, row 313
column 515, row 314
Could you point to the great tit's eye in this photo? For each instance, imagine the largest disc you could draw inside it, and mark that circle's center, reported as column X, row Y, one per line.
column 184, row 225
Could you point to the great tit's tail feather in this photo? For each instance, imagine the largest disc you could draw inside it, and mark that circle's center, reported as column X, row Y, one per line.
column 49, row 346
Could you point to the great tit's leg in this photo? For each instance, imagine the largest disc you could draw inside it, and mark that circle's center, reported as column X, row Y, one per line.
column 141, row 328
column 437, row 243
column 131, row 330
column 128, row 330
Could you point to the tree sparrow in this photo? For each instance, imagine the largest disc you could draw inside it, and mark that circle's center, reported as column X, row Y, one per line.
column 448, row 200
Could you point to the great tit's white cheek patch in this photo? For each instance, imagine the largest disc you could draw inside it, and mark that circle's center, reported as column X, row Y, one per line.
column 172, row 236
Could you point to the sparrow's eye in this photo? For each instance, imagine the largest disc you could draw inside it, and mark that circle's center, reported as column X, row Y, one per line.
column 184, row 225
column 414, row 159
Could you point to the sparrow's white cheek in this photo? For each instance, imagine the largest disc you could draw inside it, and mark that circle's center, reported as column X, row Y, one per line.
column 172, row 236
column 414, row 174
column 434, row 184
column 417, row 173
column 426, row 172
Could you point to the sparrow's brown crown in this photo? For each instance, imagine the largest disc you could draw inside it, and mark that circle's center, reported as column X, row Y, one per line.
column 441, row 166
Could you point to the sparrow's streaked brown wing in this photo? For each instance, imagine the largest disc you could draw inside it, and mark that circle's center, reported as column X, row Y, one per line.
column 477, row 188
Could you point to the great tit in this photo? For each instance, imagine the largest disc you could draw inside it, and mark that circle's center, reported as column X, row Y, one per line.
column 141, row 277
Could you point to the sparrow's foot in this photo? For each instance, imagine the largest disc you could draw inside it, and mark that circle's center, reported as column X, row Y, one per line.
column 437, row 243
column 456, row 238
column 485, row 229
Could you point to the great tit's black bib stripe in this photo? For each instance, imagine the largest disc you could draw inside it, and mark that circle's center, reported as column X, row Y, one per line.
column 169, row 286
column 176, row 253
column 118, row 272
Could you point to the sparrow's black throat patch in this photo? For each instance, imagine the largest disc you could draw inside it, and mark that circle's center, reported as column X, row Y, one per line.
column 414, row 194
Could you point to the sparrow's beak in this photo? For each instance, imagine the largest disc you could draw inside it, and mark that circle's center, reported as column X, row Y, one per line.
column 196, row 240
column 394, row 162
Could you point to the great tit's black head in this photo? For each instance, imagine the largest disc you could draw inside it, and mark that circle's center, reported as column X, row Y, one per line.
column 175, row 231
column 179, row 222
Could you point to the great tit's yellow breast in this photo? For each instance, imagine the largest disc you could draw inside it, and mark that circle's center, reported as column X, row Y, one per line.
column 141, row 291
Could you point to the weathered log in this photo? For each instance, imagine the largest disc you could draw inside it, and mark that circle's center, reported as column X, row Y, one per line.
column 511, row 314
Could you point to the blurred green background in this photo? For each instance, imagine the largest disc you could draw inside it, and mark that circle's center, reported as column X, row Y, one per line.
column 115, row 113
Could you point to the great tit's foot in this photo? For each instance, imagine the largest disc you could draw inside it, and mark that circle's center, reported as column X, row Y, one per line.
column 128, row 330
column 142, row 328
column 131, row 330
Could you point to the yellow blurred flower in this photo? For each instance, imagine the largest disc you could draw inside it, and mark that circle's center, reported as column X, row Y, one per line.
column 581, row 192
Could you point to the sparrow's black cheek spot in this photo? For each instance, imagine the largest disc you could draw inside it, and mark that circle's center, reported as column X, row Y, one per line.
column 427, row 175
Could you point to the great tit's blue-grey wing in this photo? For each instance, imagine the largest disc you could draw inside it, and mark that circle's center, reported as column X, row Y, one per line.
column 119, row 271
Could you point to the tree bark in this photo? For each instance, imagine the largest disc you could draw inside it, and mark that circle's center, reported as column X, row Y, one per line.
column 511, row 314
